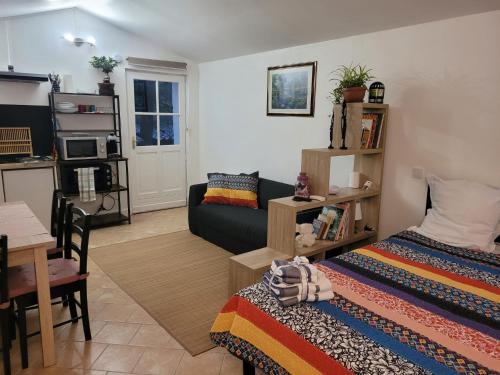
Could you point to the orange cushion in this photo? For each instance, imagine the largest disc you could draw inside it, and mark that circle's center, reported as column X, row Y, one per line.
column 234, row 190
column 22, row 279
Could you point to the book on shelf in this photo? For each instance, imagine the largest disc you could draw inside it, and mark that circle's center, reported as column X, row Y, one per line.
column 333, row 222
column 371, row 124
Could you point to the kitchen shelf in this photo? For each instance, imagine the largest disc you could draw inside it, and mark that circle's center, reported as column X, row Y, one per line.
column 114, row 188
column 86, row 161
column 120, row 166
column 86, row 113
column 88, row 131
column 106, row 220
column 82, row 94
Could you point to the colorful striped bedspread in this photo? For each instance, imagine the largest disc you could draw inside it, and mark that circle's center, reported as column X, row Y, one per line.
column 404, row 305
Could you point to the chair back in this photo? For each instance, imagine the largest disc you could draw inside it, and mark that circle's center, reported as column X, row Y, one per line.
column 4, row 296
column 57, row 217
column 77, row 222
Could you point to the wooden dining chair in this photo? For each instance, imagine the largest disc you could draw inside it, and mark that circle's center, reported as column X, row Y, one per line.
column 5, row 317
column 57, row 215
column 66, row 277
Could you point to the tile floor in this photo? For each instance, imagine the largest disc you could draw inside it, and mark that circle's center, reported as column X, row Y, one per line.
column 126, row 340
column 143, row 225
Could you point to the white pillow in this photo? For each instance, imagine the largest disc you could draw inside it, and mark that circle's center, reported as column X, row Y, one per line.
column 463, row 214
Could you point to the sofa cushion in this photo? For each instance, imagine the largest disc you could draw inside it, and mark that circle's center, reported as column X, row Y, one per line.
column 242, row 222
column 230, row 189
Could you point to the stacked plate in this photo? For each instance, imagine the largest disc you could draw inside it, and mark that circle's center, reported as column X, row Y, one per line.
column 66, row 107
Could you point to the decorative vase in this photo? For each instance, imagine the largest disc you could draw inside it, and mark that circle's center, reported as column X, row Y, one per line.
column 302, row 186
column 354, row 94
column 106, row 88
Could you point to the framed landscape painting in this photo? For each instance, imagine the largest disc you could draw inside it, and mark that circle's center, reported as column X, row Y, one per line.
column 291, row 90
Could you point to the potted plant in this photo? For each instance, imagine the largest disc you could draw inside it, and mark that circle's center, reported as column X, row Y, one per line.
column 107, row 64
column 352, row 81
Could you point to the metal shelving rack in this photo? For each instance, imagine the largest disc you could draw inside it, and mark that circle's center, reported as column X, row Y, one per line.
column 107, row 219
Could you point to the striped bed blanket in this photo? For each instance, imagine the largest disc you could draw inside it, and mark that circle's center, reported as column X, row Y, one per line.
column 404, row 305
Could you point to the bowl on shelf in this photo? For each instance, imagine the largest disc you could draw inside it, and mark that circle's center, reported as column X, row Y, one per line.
column 66, row 107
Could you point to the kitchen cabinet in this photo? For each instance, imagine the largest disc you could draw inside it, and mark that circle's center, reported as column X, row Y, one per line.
column 33, row 185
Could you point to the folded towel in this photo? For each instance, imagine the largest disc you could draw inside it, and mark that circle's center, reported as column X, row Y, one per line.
column 282, row 289
column 86, row 184
column 321, row 296
column 291, row 272
column 309, row 284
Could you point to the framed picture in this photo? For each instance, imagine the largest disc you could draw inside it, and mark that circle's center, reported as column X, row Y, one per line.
column 291, row 89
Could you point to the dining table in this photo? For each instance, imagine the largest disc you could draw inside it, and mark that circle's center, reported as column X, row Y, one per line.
column 28, row 241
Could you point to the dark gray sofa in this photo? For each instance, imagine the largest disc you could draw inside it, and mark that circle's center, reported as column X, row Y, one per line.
column 236, row 229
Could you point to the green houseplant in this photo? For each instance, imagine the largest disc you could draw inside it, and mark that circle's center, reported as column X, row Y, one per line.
column 106, row 64
column 351, row 83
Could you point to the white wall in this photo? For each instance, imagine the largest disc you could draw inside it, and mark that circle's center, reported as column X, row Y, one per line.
column 37, row 47
column 442, row 84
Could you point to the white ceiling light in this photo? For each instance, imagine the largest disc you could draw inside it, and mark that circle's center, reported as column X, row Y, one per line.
column 77, row 41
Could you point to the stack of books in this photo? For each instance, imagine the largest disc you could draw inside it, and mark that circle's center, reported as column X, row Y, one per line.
column 333, row 222
column 371, row 129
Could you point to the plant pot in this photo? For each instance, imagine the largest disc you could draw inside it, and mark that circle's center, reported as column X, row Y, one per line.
column 354, row 94
column 106, row 88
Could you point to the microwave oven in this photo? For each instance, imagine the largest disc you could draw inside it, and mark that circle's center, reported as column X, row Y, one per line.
column 82, row 148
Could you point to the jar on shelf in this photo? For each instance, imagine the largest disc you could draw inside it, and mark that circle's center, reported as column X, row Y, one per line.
column 302, row 186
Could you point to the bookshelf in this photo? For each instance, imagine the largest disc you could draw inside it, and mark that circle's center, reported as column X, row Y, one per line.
column 247, row 268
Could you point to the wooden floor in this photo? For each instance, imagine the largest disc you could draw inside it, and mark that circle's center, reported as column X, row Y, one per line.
column 126, row 340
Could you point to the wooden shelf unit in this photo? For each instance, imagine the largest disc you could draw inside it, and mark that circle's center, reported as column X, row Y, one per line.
column 247, row 268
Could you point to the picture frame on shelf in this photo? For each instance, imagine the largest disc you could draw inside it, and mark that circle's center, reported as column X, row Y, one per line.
column 291, row 89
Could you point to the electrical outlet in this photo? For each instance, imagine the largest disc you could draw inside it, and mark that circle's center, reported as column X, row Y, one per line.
column 418, row 173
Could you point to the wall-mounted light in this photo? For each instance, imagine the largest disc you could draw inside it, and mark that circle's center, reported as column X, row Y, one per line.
column 77, row 41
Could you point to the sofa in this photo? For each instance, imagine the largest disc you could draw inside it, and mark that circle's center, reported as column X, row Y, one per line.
column 236, row 229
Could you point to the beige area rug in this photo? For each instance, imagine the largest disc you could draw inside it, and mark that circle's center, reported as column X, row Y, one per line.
column 180, row 279
column 143, row 225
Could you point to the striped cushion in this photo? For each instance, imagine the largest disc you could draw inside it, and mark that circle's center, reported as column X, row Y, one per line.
column 234, row 190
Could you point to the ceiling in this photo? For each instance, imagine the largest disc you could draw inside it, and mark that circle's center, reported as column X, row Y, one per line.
column 205, row 30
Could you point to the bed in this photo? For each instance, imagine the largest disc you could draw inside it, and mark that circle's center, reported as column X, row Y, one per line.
column 404, row 305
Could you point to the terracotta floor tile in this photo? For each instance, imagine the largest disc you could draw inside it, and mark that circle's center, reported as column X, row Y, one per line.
column 119, row 358
column 60, row 371
column 116, row 333
column 116, row 296
column 159, row 362
column 114, row 313
column 203, row 364
column 231, row 365
column 141, row 316
column 79, row 354
column 153, row 336
column 74, row 332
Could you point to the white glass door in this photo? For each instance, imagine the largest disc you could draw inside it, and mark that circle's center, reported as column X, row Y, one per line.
column 157, row 121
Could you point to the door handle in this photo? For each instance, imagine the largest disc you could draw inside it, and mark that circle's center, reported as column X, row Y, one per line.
column 133, row 143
